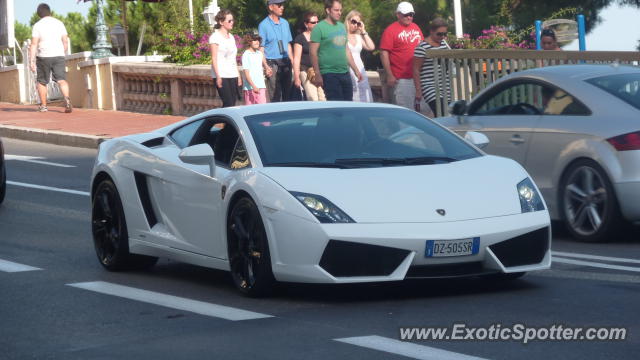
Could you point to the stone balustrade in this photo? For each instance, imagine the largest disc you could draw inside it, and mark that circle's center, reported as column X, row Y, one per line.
column 161, row 88
column 164, row 88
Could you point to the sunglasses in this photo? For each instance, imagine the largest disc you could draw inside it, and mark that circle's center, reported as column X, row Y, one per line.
column 312, row 22
column 442, row 33
column 230, row 21
column 411, row 14
column 279, row 5
column 356, row 22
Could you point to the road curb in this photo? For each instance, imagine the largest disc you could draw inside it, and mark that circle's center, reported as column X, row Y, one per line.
column 51, row 136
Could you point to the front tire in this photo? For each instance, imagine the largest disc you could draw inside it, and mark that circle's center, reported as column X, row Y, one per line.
column 109, row 228
column 588, row 202
column 248, row 248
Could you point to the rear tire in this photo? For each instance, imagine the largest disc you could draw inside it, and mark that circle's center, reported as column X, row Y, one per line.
column 109, row 228
column 248, row 248
column 588, row 202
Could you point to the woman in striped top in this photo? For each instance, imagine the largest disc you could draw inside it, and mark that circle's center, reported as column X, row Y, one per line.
column 423, row 74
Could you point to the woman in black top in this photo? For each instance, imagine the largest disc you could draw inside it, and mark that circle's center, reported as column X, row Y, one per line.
column 302, row 69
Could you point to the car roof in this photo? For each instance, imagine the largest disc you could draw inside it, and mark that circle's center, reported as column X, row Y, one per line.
column 248, row 110
column 578, row 72
column 239, row 112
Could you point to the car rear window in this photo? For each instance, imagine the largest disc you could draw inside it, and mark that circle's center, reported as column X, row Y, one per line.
column 626, row 87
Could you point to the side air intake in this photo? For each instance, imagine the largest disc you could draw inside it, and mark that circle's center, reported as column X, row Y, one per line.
column 145, row 199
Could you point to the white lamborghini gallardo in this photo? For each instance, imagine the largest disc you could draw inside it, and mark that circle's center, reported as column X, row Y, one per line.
column 319, row 192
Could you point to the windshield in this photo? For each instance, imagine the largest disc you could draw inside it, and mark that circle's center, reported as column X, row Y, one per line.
column 354, row 137
column 623, row 86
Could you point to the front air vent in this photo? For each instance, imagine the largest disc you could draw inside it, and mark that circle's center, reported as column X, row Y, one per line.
column 345, row 258
column 145, row 199
column 526, row 249
column 151, row 143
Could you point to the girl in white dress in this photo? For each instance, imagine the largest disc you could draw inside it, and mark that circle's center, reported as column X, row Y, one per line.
column 359, row 39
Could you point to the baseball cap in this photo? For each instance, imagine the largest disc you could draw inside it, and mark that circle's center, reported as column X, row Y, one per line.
column 271, row 2
column 403, row 8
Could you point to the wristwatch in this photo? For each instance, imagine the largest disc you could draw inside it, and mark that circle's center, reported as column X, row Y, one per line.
column 365, row 33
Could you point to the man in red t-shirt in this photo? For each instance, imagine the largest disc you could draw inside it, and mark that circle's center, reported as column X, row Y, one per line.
column 397, row 45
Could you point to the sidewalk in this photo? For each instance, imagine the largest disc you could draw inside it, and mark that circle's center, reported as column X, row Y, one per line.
column 81, row 128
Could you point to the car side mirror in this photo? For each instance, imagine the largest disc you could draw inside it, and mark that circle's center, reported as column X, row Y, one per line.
column 478, row 139
column 458, row 108
column 200, row 154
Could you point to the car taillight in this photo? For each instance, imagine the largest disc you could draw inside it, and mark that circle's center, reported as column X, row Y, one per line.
column 626, row 142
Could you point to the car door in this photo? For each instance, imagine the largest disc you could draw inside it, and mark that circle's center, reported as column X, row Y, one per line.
column 507, row 115
column 189, row 199
column 565, row 121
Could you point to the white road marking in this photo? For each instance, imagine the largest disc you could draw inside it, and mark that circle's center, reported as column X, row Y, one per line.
column 595, row 257
column 594, row 264
column 407, row 349
column 8, row 266
column 35, row 160
column 49, row 188
column 175, row 302
column 588, row 275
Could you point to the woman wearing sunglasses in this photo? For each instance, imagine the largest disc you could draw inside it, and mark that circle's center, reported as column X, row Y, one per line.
column 303, row 73
column 423, row 72
column 359, row 39
column 224, row 64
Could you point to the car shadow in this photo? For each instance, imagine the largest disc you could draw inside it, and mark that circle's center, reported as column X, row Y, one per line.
column 402, row 290
column 219, row 280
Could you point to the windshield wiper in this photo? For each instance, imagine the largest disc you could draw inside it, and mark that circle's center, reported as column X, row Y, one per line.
column 311, row 164
column 372, row 160
column 429, row 160
column 423, row 160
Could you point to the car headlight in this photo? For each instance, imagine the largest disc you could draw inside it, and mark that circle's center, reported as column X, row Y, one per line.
column 324, row 210
column 530, row 199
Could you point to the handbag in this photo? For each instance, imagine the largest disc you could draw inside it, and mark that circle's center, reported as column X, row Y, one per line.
column 311, row 74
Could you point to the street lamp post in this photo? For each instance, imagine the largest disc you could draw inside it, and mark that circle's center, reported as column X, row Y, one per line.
column 210, row 12
column 457, row 10
column 117, row 37
column 101, row 48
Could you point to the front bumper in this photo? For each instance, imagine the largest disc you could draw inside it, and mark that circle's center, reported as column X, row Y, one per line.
column 304, row 251
column 628, row 195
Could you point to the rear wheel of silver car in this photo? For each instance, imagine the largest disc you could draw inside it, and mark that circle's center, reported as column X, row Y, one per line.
column 109, row 228
column 588, row 202
column 248, row 246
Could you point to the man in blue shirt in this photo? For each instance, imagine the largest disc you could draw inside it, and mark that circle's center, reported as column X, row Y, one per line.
column 276, row 44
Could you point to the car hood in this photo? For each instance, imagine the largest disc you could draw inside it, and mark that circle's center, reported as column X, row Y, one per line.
column 470, row 189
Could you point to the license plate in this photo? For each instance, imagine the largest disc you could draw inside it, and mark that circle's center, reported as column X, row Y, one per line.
column 459, row 247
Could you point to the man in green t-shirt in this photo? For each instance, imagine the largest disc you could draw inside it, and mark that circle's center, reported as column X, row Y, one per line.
column 330, row 56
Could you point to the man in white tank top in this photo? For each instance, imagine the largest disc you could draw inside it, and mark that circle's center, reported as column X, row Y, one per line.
column 49, row 44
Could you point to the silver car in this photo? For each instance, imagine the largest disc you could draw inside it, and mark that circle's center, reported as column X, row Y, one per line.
column 576, row 129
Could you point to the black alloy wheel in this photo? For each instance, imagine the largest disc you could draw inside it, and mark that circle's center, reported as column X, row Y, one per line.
column 588, row 202
column 248, row 248
column 109, row 228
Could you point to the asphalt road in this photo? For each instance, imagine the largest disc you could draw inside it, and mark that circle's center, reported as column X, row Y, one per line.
column 50, row 313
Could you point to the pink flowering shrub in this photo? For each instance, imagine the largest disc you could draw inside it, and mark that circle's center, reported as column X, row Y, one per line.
column 495, row 37
column 186, row 48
